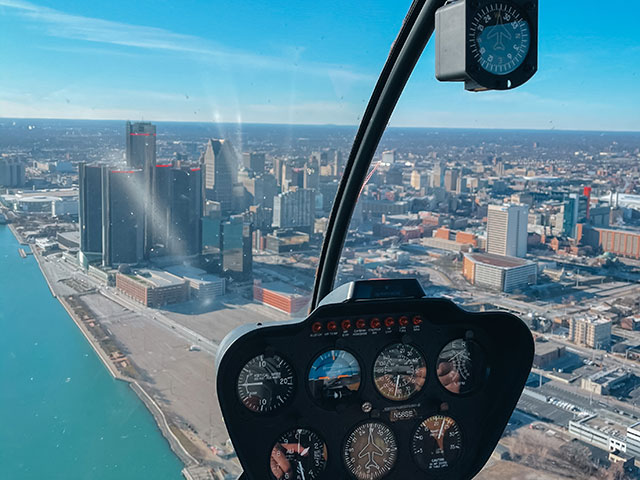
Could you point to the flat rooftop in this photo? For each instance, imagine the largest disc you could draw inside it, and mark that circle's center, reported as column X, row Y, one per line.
column 156, row 278
column 283, row 288
column 498, row 260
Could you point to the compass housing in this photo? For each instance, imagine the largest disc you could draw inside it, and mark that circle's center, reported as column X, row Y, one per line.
column 459, row 24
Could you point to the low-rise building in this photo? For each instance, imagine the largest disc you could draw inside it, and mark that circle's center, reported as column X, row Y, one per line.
column 498, row 272
column 281, row 296
column 547, row 353
column 153, row 288
column 603, row 383
column 202, row 285
column 590, row 331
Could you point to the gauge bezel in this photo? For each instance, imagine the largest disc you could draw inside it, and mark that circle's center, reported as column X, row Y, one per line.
column 442, row 471
column 416, row 393
column 287, row 401
column 356, row 394
column 289, row 430
column 481, row 383
column 351, row 431
column 525, row 70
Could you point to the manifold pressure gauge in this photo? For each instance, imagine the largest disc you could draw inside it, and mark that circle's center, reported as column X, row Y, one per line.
column 488, row 44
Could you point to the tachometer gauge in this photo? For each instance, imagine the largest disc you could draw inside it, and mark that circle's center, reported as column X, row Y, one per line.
column 265, row 383
column 370, row 451
column 462, row 366
column 500, row 38
column 437, row 443
column 334, row 377
column 399, row 372
column 299, row 454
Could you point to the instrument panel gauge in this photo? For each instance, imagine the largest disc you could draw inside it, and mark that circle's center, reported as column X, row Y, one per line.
column 299, row 454
column 500, row 38
column 334, row 377
column 399, row 372
column 437, row 443
column 265, row 383
column 462, row 366
column 370, row 451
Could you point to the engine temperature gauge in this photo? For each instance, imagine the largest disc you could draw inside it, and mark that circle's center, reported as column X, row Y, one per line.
column 399, row 372
column 437, row 443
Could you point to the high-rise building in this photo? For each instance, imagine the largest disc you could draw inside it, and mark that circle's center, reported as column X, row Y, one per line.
column 451, row 180
column 237, row 257
column 311, row 175
column 175, row 211
column 122, row 216
column 254, row 161
column 295, row 209
column 90, row 209
column 419, row 180
column 507, row 230
column 437, row 175
column 141, row 145
column 389, row 157
column 221, row 172
column 12, row 173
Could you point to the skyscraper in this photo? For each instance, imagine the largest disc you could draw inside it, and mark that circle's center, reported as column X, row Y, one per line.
column 90, row 209
column 221, row 172
column 122, row 216
column 141, row 145
column 237, row 257
column 451, row 180
column 175, row 211
column 11, row 173
column 295, row 209
column 507, row 230
column 254, row 161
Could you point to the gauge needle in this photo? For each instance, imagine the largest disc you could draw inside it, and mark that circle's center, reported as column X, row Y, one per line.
column 441, row 429
column 397, row 385
column 301, row 470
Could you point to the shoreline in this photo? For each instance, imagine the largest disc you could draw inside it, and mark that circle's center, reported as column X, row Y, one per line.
column 150, row 404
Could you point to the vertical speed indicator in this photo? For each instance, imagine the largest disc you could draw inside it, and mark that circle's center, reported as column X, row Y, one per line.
column 500, row 38
column 265, row 383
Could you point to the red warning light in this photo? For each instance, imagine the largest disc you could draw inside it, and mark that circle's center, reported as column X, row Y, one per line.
column 375, row 323
column 403, row 321
column 346, row 325
column 360, row 323
column 316, row 327
column 332, row 326
column 389, row 322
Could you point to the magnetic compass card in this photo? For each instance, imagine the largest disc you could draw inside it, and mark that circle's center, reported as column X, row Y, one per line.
column 385, row 388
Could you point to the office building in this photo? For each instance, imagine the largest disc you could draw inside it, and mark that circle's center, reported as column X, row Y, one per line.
column 221, row 173
column 497, row 272
column 140, row 145
column 295, row 209
column 389, row 157
column 507, row 230
column 123, row 205
column 437, row 175
column 237, row 256
column 281, row 296
column 153, row 288
column 254, row 161
column 90, row 209
column 174, row 225
column 451, row 180
column 12, row 173
column 590, row 331
column 419, row 180
column 619, row 242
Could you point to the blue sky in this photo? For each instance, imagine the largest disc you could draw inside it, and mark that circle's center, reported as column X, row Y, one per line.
column 298, row 62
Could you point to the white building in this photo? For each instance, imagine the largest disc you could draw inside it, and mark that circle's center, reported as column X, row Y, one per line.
column 507, row 230
column 498, row 272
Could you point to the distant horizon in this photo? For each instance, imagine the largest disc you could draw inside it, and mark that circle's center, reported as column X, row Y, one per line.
column 351, row 126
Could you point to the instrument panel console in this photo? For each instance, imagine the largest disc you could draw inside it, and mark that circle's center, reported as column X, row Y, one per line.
column 368, row 389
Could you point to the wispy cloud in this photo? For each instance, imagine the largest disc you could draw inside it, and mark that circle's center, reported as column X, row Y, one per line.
column 75, row 27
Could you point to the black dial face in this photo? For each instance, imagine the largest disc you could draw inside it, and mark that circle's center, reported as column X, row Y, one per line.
column 462, row 367
column 500, row 38
column 370, row 451
column 334, row 377
column 437, row 443
column 399, row 372
column 265, row 383
column 298, row 455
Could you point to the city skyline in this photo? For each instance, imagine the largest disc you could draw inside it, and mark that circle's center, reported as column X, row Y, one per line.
column 83, row 61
